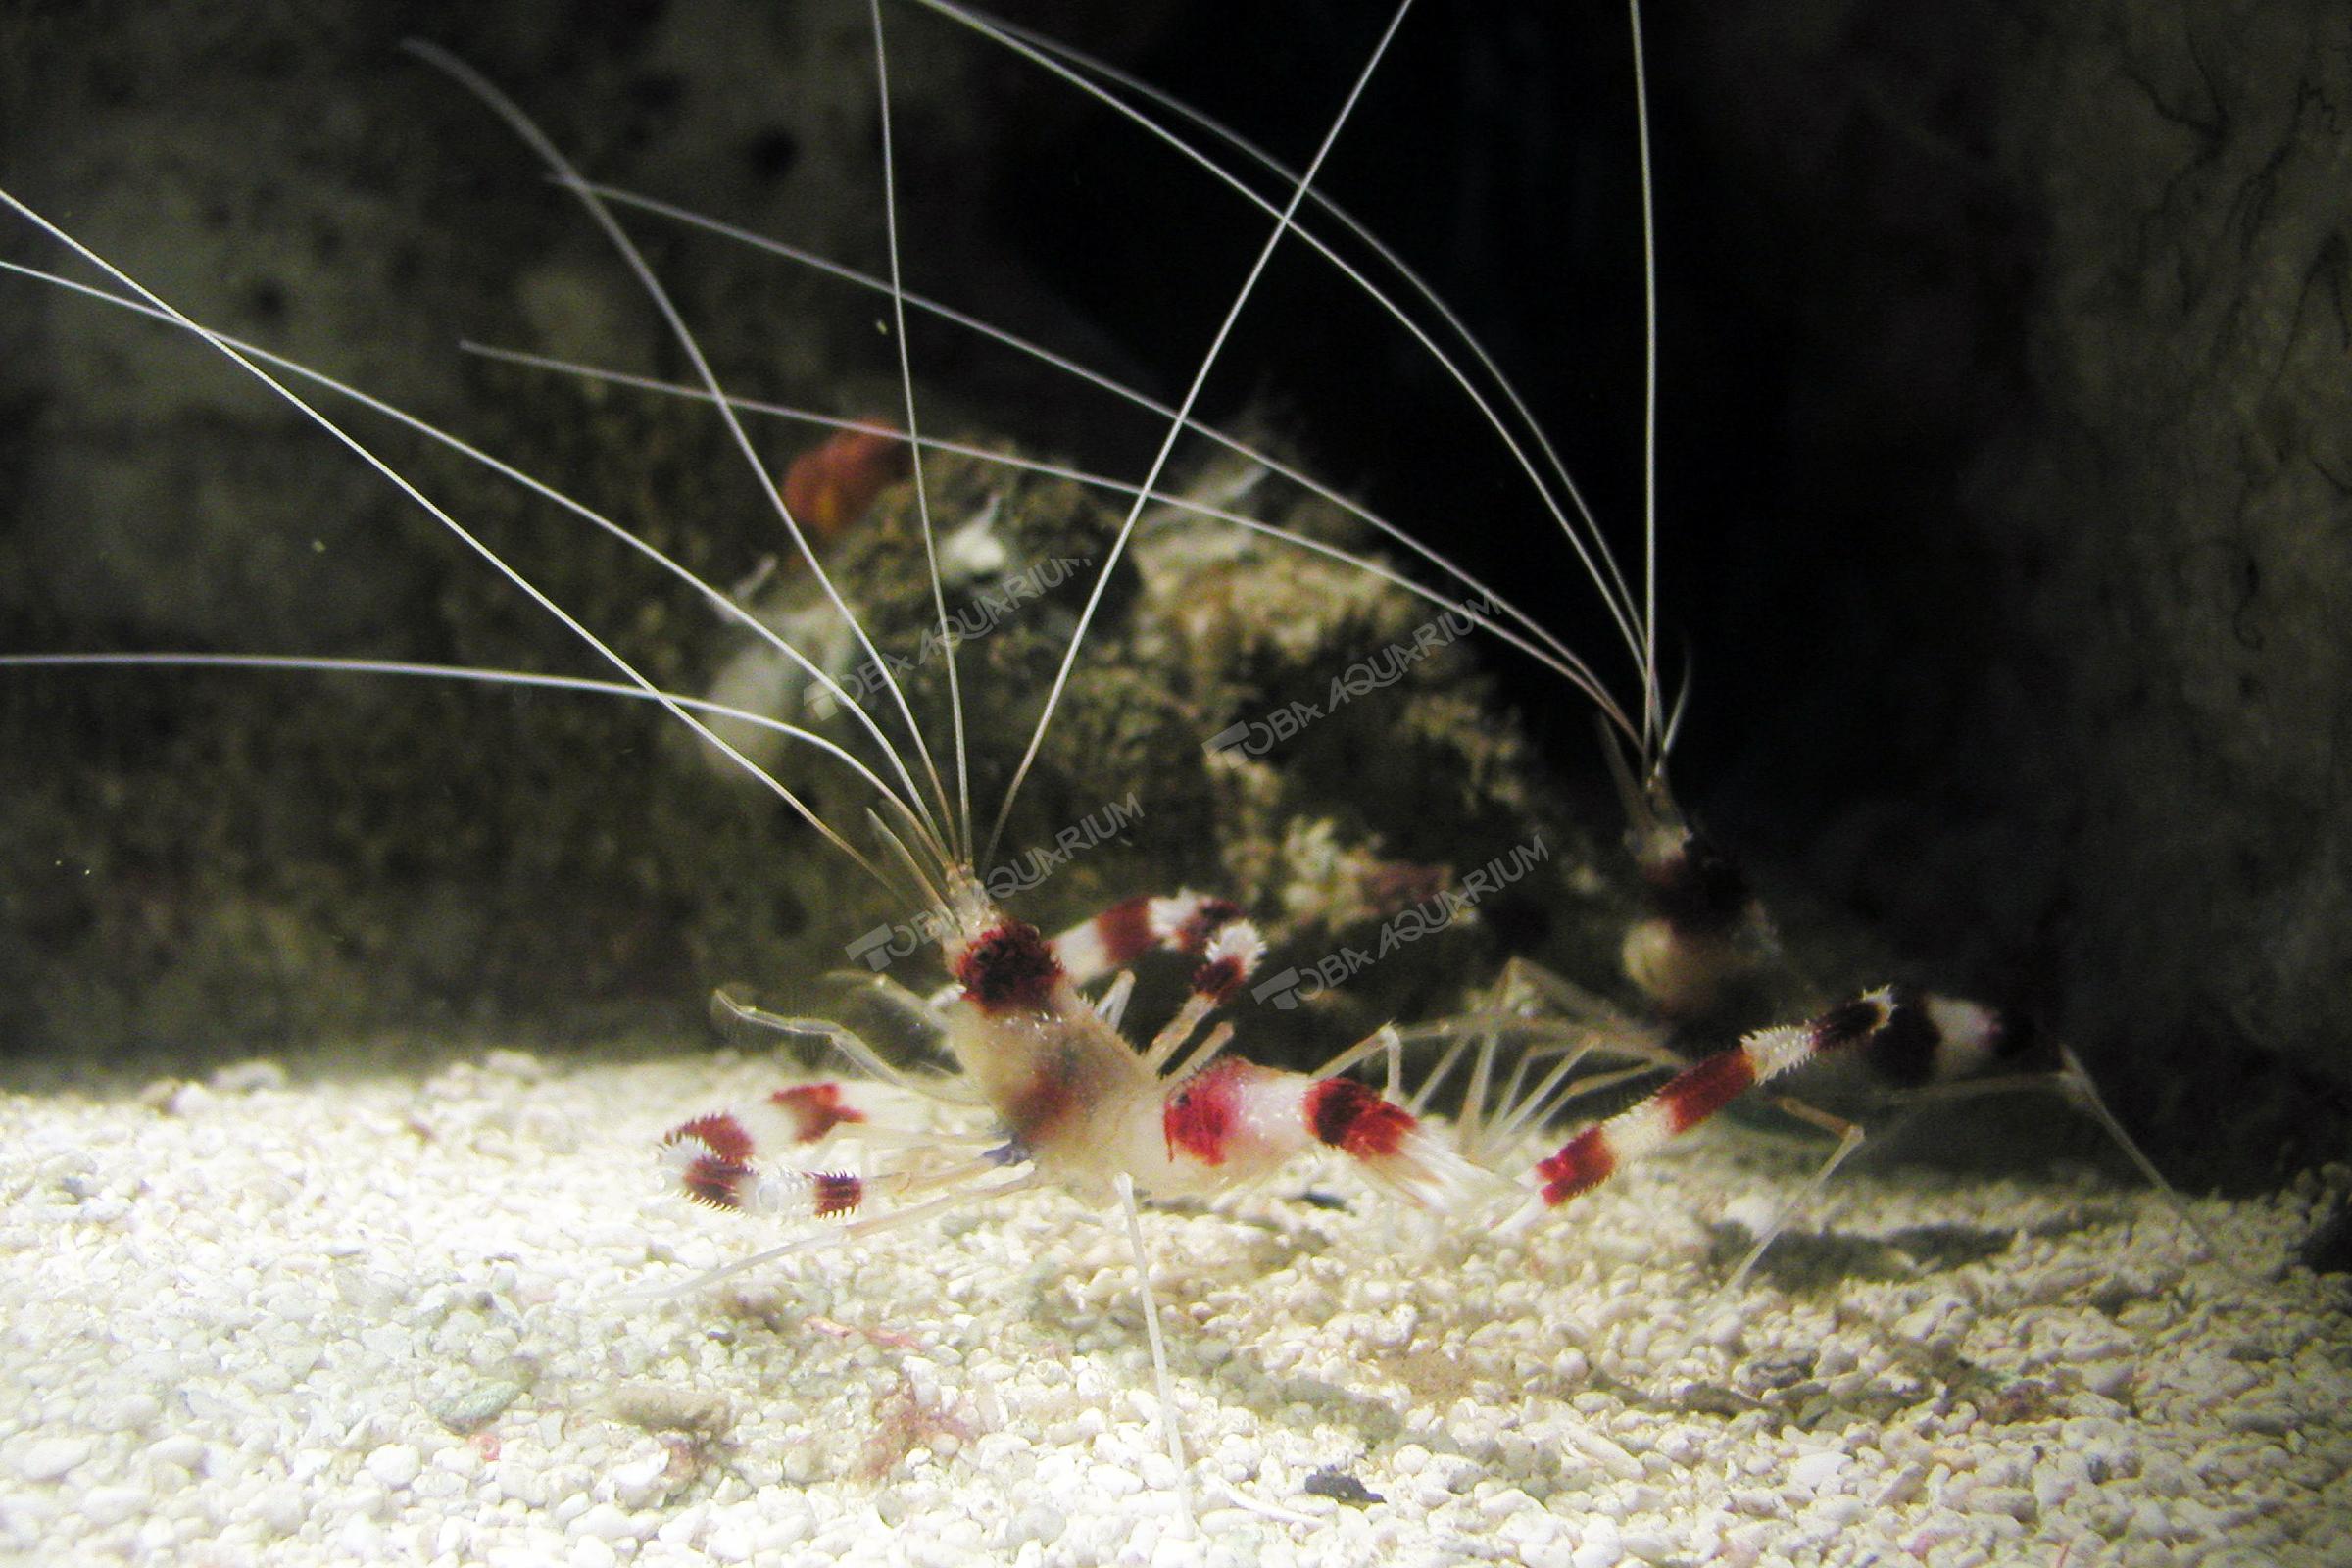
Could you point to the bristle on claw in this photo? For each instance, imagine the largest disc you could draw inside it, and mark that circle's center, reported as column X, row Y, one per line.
column 1230, row 956
column 1698, row 1092
column 692, row 1153
column 832, row 1192
column 721, row 1133
column 802, row 1114
column 710, row 1160
column 713, row 1157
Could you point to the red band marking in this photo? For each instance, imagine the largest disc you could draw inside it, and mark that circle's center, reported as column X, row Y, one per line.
column 720, row 1132
column 1206, row 919
column 835, row 1192
column 1011, row 968
column 1351, row 1119
column 1697, row 1093
column 1583, row 1164
column 1125, row 931
column 1219, row 978
column 1850, row 1023
column 815, row 1110
column 1200, row 1116
column 1042, row 1102
column 716, row 1181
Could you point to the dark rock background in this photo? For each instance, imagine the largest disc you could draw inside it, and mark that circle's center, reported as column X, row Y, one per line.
column 2004, row 455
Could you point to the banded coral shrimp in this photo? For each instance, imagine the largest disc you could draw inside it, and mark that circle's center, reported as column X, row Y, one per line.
column 1583, row 1437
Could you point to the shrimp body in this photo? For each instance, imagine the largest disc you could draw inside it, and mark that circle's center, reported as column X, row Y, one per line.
column 1086, row 1109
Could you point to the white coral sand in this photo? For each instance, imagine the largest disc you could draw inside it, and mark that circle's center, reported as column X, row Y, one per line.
column 386, row 1320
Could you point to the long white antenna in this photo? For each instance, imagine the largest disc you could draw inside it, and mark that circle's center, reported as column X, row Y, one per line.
column 1168, row 445
column 1590, row 546
column 1270, row 461
column 1653, row 750
column 723, row 604
column 1565, row 662
column 960, row 830
column 252, row 367
column 484, row 675
column 499, row 104
column 1530, row 427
